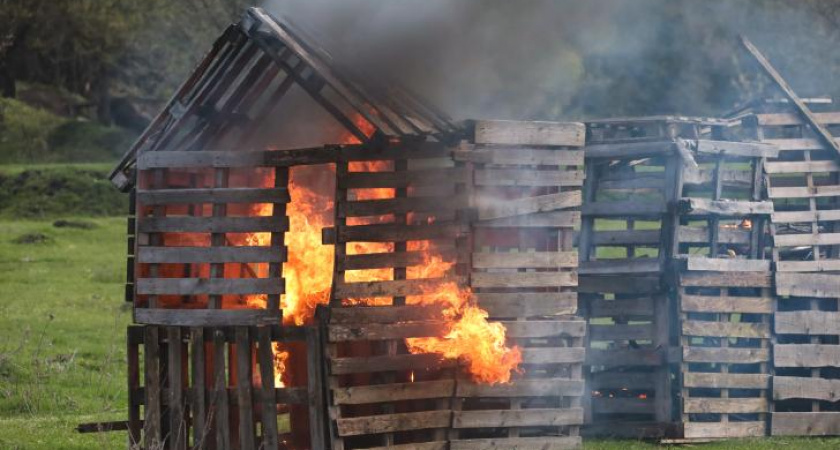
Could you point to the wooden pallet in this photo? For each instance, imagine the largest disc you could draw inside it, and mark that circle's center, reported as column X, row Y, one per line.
column 213, row 387
column 526, row 190
column 725, row 310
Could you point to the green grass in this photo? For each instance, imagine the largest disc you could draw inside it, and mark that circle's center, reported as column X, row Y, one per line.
column 62, row 326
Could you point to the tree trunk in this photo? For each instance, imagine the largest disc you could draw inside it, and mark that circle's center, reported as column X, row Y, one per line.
column 7, row 82
column 102, row 97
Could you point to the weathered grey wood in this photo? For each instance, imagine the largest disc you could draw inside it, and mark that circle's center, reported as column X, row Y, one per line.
column 642, row 332
column 178, row 428
column 544, row 328
column 725, row 405
column 626, row 237
column 806, row 355
column 544, row 387
column 220, row 405
column 717, row 304
column 623, row 209
column 782, row 167
column 785, row 388
column 232, row 159
column 805, row 424
column 551, row 219
column 798, row 144
column 198, row 405
column 390, row 314
column 823, row 265
column 808, row 322
column 393, row 288
column 796, row 240
column 510, row 132
column 805, row 216
column 787, row 119
column 621, row 307
column 523, row 279
column 212, row 195
column 725, row 329
column 498, row 209
column 703, row 206
column 435, row 445
column 690, row 234
column 517, row 418
column 268, row 407
column 634, row 266
column 727, row 148
column 392, row 392
column 152, row 437
column 804, row 192
column 376, row 332
column 806, row 113
column 185, row 255
column 808, row 285
column 726, row 380
column 389, row 423
column 727, row 279
column 606, row 405
column 717, row 430
column 518, row 177
column 245, row 403
column 522, row 304
column 529, row 260
column 701, row 263
column 520, row 443
column 402, row 179
column 381, row 207
column 368, row 364
column 316, row 404
column 198, row 286
column 728, row 177
column 206, row 317
column 522, row 157
column 212, row 224
column 637, row 285
column 552, row 355
column 633, row 181
column 393, row 233
column 725, row 355
column 629, row 150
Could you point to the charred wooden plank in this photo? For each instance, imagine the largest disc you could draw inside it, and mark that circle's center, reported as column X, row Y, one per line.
column 198, row 286
column 212, row 224
column 186, row 255
column 357, row 395
column 213, row 195
column 389, row 423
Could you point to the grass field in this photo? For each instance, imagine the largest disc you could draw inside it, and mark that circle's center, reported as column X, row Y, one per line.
column 62, row 351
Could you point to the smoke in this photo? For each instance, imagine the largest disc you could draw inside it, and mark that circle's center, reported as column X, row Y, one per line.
column 563, row 59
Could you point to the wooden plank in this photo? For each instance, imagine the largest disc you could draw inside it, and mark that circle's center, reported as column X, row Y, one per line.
column 803, row 192
column 526, row 304
column 368, row 364
column 809, row 117
column 520, row 443
column 529, row 260
column 528, row 178
column 636, row 266
column 523, row 279
column 152, row 386
column 245, row 402
column 392, row 288
column 178, row 433
column 551, row 219
column 728, row 148
column 522, row 157
column 787, row 119
column 392, row 259
column 316, row 382
column 498, row 209
column 380, row 207
column 198, row 286
column 725, row 329
column 629, row 149
column 543, row 387
column 725, row 405
column 552, row 355
column 726, row 279
column 808, row 285
column 805, row 216
column 393, row 233
column 701, row 263
column 268, row 407
column 389, row 423
column 220, row 406
column 702, row 206
column 783, row 167
column 435, row 445
column 621, row 307
column 808, row 322
column 378, row 332
column 806, row 355
column 823, row 265
column 731, row 430
column 206, row 317
column 402, row 179
column 387, row 314
column 212, row 195
column 728, row 177
column 785, row 388
column 626, row 357
column 726, row 380
column 623, row 209
column 725, row 355
column 627, row 237
column 544, row 328
column 212, row 224
column 189, row 255
column 805, row 424
column 517, row 418
column 511, row 132
column 797, row 240
column 616, row 332
column 700, row 235
column 393, row 392
column 717, row 304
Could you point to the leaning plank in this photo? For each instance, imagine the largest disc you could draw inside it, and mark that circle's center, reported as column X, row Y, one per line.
column 545, row 387
column 498, row 209
column 808, row 285
column 206, row 317
column 703, row 206
column 389, row 423
column 521, row 443
column 517, row 418
column 698, row 430
column 393, row 392
column 726, row 380
column 212, row 195
column 810, row 388
column 725, row 329
column 805, row 424
column 212, row 224
column 379, row 332
column 535, row 260
column 184, row 255
column 806, row 355
column 523, row 279
column 199, row 286
column 808, row 322
column 393, row 288
column 510, row 132
column 725, row 405
column 727, row 265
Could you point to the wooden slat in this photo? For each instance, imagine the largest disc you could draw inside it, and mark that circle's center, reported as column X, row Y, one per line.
column 724, row 405
column 435, row 445
column 389, row 423
column 212, row 195
column 378, row 332
column 520, row 443
column 797, row 240
column 717, row 430
column 785, row 388
column 551, row 219
column 152, row 437
column 728, row 149
column 823, row 265
column 244, row 398
column 725, row 329
column 212, row 224
column 363, row 208
column 626, row 357
column 517, row 418
column 518, row 177
column 780, row 167
column 700, row 235
column 220, row 405
column 232, row 159
column 726, row 380
column 617, row 380
column 392, row 288
column 726, row 279
column 498, row 209
column 187, row 255
column 526, row 304
column 808, row 285
column 636, row 266
column 392, row 233
column 623, row 209
column 642, row 332
column 804, row 192
column 717, row 304
column 787, row 119
column 701, row 263
column 368, row 364
column 198, row 405
column 198, row 286
column 522, row 157
column 206, row 317
column 402, row 179
column 629, row 150
column 703, row 206
column 510, row 132
column 808, row 322
column 627, row 237
column 544, row 387
column 621, row 307
column 392, row 259
column 268, row 407
column 393, row 392
column 535, row 260
column 523, row 279
column 619, row 405
column 725, row 355
column 544, row 328
column 805, row 216
column 805, row 424
column 388, row 314
column 806, row 355
column 552, row 355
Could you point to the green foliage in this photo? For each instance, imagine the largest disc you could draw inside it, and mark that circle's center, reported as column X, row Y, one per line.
column 57, row 191
column 24, row 131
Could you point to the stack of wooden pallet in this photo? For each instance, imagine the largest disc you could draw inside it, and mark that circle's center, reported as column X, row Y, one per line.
column 804, row 184
column 527, row 178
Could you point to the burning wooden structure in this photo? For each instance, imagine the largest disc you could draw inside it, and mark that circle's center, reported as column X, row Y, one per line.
column 409, row 282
